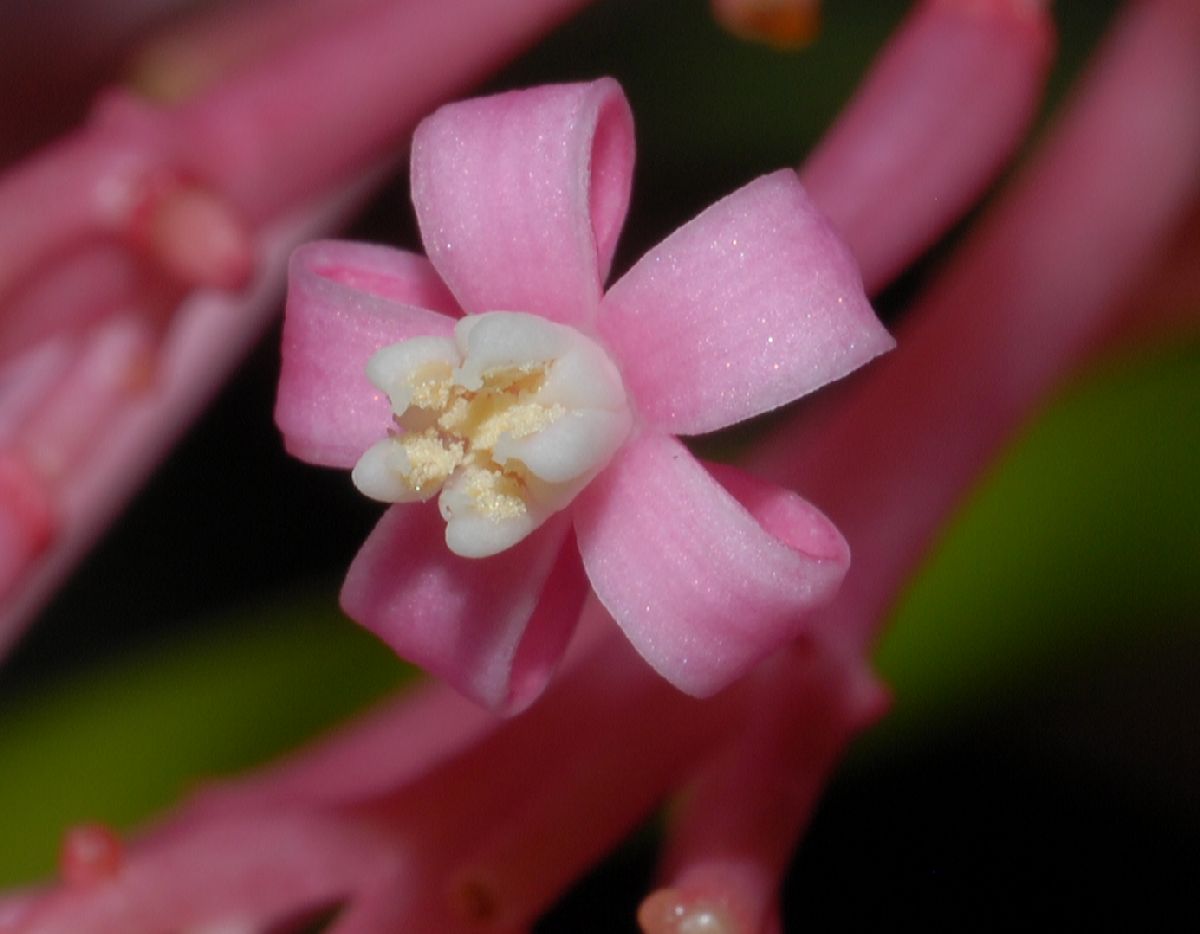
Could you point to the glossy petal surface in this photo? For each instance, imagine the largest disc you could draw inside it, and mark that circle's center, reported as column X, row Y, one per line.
column 493, row 628
column 704, row 577
column 521, row 196
column 749, row 306
column 346, row 301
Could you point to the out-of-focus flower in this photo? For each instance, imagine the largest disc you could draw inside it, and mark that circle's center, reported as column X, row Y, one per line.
column 785, row 24
column 119, row 238
column 553, row 393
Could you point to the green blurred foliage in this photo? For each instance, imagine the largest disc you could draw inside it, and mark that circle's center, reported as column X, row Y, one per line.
column 132, row 736
column 1085, row 536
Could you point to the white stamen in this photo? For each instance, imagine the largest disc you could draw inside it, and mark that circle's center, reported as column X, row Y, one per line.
column 509, row 421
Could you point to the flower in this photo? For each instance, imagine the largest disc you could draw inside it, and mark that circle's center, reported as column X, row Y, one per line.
column 520, row 198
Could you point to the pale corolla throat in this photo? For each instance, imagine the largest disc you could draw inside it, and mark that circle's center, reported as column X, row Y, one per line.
column 508, row 421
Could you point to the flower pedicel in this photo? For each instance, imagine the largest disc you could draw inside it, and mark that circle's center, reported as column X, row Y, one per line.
column 500, row 377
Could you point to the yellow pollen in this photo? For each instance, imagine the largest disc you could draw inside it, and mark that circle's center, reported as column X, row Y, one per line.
column 496, row 494
column 517, row 421
column 431, row 459
column 451, row 428
column 430, row 386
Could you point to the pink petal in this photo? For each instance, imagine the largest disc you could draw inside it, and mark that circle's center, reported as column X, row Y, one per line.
column 493, row 627
column 345, row 301
column 521, row 196
column 705, row 577
column 750, row 305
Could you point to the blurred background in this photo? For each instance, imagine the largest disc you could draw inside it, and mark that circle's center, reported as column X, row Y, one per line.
column 1042, row 763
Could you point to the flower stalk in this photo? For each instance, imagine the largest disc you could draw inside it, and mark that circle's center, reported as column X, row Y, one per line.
column 1006, row 319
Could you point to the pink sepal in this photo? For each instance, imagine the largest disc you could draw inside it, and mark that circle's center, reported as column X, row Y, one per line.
column 345, row 301
column 521, row 196
column 750, row 305
column 706, row 572
column 494, row 627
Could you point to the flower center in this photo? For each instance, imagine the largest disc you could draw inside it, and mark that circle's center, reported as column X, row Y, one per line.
column 508, row 421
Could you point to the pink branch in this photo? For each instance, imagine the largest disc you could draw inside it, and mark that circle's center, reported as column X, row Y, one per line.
column 732, row 836
column 1031, row 292
column 627, row 740
column 940, row 112
column 1166, row 301
column 552, row 788
column 1027, row 296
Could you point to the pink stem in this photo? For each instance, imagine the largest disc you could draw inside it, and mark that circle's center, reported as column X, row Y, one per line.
column 1027, row 296
column 244, row 872
column 545, row 793
column 380, row 751
column 942, row 109
column 404, row 738
column 733, row 834
column 1030, row 293
column 1166, row 302
column 626, row 739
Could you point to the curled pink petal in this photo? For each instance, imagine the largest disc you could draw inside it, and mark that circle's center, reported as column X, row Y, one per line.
column 753, row 303
column 345, row 301
column 704, row 577
column 495, row 628
column 521, row 196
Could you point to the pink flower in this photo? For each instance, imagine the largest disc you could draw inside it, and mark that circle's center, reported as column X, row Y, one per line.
column 556, row 416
